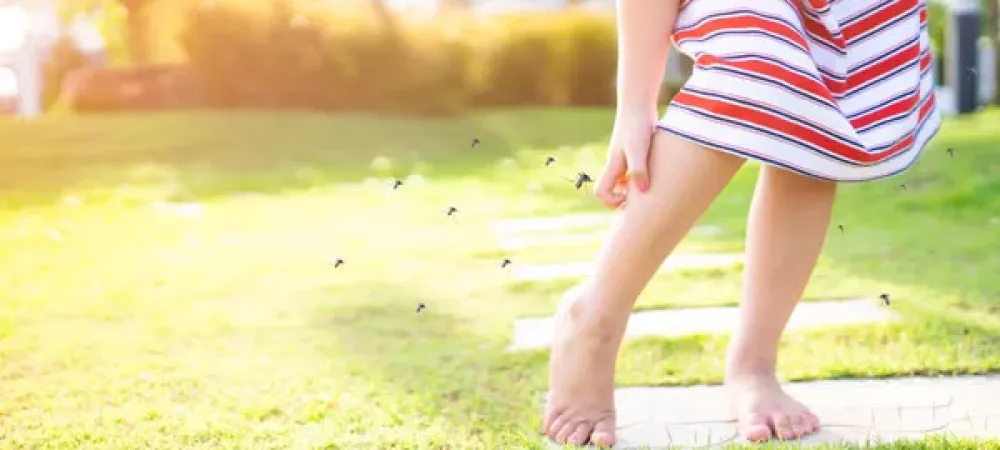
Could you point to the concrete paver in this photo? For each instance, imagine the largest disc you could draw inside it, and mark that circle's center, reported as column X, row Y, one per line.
column 520, row 241
column 569, row 222
column 851, row 411
column 681, row 261
column 557, row 223
column 536, row 332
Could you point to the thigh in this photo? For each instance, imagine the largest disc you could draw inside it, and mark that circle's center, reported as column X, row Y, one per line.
column 685, row 178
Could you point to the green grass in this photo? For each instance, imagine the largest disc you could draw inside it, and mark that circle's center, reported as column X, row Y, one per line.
column 126, row 326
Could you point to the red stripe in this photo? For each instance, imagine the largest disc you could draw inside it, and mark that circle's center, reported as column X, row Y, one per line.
column 743, row 21
column 926, row 109
column 873, row 20
column 925, row 62
column 780, row 124
column 797, row 81
column 818, row 4
column 816, row 27
column 884, row 66
column 821, row 33
column 892, row 109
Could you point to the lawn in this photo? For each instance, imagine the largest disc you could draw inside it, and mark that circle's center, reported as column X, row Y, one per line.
column 167, row 282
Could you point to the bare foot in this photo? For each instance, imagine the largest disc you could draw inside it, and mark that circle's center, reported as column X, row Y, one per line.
column 764, row 411
column 580, row 408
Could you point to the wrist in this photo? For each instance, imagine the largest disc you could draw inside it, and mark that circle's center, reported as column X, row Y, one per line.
column 633, row 113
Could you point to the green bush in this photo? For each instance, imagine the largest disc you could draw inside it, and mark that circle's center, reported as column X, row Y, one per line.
column 63, row 59
column 299, row 54
column 593, row 56
column 149, row 87
column 565, row 58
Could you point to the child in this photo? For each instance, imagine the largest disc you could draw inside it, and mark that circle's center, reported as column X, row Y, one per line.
column 820, row 92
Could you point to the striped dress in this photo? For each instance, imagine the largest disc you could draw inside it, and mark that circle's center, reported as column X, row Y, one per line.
column 839, row 90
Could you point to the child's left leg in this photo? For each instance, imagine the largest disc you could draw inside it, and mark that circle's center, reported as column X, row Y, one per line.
column 789, row 218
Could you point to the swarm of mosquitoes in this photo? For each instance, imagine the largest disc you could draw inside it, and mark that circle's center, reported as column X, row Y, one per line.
column 579, row 181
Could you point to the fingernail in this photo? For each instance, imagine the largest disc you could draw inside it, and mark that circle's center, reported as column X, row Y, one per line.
column 643, row 185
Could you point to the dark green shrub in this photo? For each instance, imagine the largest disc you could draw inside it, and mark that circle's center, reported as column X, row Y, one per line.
column 151, row 87
column 523, row 61
column 63, row 59
column 296, row 55
column 593, row 56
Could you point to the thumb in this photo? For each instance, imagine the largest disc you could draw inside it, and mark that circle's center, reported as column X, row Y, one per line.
column 604, row 190
column 637, row 159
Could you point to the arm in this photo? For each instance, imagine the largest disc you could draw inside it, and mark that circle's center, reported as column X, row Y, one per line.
column 644, row 28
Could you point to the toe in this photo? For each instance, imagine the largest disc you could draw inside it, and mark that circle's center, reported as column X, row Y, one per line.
column 562, row 436
column 783, row 428
column 813, row 420
column 581, row 434
column 802, row 425
column 555, row 424
column 604, row 433
column 755, row 429
column 551, row 417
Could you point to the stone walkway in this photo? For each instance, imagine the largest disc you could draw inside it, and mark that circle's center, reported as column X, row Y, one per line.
column 690, row 261
column 852, row 411
column 520, row 241
column 557, row 224
column 556, row 227
column 536, row 332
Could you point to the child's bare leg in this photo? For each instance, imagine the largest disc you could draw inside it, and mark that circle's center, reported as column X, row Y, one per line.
column 685, row 178
column 788, row 223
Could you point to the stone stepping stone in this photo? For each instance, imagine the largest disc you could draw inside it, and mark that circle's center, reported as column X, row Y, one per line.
column 556, row 238
column 567, row 222
column 851, row 411
column 539, row 272
column 536, row 332
column 551, row 240
column 558, row 223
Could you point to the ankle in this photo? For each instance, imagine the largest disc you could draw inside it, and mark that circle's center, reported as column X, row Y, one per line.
column 750, row 363
column 588, row 313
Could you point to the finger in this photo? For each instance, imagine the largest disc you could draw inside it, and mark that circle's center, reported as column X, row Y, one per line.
column 604, row 189
column 637, row 159
column 621, row 185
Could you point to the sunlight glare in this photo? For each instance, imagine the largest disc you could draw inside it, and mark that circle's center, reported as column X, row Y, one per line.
column 8, row 82
column 13, row 27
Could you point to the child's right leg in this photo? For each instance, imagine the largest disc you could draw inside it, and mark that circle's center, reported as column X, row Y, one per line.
column 684, row 180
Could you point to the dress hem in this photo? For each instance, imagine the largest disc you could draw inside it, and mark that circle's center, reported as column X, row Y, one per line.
column 769, row 162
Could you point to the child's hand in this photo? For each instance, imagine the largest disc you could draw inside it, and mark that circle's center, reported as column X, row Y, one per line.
column 628, row 157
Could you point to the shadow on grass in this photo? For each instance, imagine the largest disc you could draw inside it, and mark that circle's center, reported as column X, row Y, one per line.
column 432, row 365
column 214, row 154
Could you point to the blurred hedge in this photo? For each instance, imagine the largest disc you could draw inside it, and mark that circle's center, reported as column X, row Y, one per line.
column 305, row 54
column 295, row 54
column 136, row 88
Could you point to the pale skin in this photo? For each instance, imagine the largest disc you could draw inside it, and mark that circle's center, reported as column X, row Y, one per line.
column 670, row 183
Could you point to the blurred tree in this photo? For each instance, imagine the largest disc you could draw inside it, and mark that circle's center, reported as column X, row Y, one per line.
column 137, row 25
column 456, row 4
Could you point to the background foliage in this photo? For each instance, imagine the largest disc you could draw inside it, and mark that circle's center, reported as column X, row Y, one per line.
column 302, row 54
